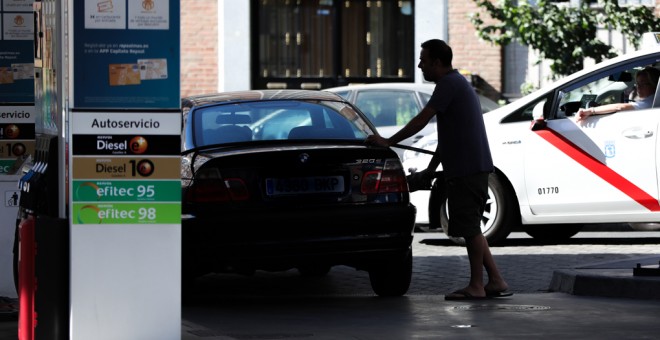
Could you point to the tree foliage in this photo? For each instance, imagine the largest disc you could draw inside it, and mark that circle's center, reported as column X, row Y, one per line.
column 562, row 34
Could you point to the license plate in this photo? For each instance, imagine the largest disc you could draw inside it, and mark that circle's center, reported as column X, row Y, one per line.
column 304, row 185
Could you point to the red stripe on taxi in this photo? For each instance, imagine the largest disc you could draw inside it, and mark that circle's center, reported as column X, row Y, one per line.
column 599, row 169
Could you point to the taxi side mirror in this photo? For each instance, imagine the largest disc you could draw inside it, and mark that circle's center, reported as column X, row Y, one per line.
column 538, row 124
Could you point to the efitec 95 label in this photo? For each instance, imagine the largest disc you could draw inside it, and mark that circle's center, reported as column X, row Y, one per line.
column 126, row 191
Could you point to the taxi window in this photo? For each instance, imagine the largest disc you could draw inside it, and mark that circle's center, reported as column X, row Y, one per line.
column 525, row 113
column 614, row 85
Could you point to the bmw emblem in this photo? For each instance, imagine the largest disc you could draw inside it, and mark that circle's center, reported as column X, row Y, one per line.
column 304, row 157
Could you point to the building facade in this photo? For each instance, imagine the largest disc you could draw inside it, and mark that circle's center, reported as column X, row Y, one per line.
column 235, row 45
column 315, row 44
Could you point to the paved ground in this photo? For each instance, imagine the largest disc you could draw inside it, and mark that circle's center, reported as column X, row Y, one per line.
column 440, row 266
column 524, row 316
column 343, row 306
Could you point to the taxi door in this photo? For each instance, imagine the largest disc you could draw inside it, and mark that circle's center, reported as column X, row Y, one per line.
column 605, row 165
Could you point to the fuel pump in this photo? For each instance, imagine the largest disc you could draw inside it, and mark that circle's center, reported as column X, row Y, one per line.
column 43, row 251
column 43, row 238
column 17, row 134
column 104, row 72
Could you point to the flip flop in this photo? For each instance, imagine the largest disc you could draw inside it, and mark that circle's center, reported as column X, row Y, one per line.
column 493, row 294
column 461, row 295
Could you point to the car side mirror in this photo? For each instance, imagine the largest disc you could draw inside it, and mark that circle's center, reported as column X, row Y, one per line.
column 539, row 112
column 538, row 124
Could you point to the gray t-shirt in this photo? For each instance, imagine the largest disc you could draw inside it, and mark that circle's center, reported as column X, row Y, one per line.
column 462, row 140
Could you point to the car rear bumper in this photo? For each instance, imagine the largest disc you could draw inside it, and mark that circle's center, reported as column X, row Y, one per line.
column 355, row 236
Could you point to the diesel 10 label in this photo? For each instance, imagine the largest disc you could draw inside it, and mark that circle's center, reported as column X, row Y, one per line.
column 126, row 168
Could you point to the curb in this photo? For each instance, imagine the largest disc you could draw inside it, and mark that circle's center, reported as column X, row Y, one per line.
column 605, row 282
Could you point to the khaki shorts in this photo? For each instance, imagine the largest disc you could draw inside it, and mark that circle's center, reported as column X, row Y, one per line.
column 466, row 201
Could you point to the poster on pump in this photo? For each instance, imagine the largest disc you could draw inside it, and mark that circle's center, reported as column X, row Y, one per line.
column 16, row 56
column 131, row 53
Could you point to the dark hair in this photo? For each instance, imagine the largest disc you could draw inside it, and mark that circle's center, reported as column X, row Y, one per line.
column 652, row 73
column 439, row 49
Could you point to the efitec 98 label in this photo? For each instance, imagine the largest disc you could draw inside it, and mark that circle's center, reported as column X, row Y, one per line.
column 126, row 213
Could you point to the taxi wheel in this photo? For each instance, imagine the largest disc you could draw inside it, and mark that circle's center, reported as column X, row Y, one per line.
column 497, row 218
column 392, row 278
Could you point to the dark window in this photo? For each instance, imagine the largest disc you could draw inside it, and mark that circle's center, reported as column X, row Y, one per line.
column 377, row 39
column 324, row 43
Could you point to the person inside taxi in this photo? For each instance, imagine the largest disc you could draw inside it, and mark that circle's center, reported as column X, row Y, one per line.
column 646, row 81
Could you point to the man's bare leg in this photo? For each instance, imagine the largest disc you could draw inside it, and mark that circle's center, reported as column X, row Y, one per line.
column 475, row 249
column 496, row 282
column 480, row 257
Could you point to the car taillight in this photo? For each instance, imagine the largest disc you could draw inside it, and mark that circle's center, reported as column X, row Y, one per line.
column 218, row 191
column 391, row 179
column 238, row 191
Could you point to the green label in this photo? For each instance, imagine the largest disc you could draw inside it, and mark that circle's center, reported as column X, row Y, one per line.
column 127, row 213
column 5, row 165
column 126, row 191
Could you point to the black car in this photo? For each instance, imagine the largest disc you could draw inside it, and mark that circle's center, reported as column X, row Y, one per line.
column 281, row 179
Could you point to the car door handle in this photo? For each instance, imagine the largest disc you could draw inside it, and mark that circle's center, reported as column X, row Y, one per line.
column 636, row 133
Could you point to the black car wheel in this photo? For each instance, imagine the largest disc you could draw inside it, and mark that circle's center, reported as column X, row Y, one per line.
column 497, row 220
column 392, row 278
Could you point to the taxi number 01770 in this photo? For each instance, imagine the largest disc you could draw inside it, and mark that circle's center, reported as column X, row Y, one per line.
column 304, row 185
column 548, row 190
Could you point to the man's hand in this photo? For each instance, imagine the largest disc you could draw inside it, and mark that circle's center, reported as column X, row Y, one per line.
column 421, row 180
column 377, row 140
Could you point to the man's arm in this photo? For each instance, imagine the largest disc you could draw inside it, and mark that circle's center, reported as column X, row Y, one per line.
column 427, row 175
column 416, row 124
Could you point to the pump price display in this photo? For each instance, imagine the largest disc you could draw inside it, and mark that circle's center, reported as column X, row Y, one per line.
column 126, row 213
column 126, row 191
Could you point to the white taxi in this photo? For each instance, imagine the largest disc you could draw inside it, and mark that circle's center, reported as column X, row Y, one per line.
column 553, row 173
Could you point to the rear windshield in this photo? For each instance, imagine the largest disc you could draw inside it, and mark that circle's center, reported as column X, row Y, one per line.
column 276, row 120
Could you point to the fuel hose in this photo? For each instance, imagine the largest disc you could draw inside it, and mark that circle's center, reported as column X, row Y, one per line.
column 412, row 148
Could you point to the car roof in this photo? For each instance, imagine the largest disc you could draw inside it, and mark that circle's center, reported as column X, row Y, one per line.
column 425, row 87
column 628, row 56
column 421, row 87
column 252, row 95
